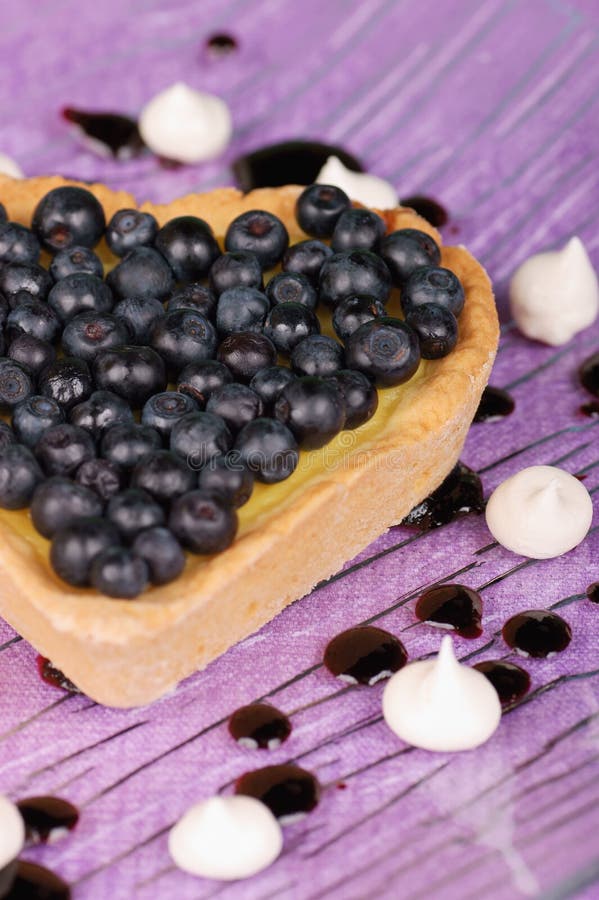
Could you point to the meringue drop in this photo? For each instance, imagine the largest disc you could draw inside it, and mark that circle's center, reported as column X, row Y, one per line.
column 12, row 839
column 440, row 704
column 540, row 512
column 8, row 166
column 370, row 190
column 554, row 295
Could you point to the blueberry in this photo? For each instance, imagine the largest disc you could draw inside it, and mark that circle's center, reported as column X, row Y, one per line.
column 237, row 404
column 241, row 309
column 4, row 308
column 261, row 233
column 15, row 384
column 204, row 522
column 19, row 476
column 291, row 287
column 313, row 409
column 431, row 284
column 79, row 293
column 189, row 247
column 194, row 296
column 30, row 277
column 247, row 353
column 182, row 337
column 358, row 229
column 89, row 333
column 319, row 207
column 143, row 272
column 33, row 416
column 306, row 258
column 74, row 548
column 353, row 311
column 360, row 396
column 66, row 380
column 199, row 380
column 130, row 228
column 406, row 250
column 240, row 268
column 74, row 260
column 35, row 318
column 7, row 436
column 164, row 475
column 269, row 450
column 163, row 410
column 436, row 327
column 227, row 475
column 289, row 323
column 59, row 502
column 139, row 315
column 385, row 349
column 101, row 411
column 31, row 353
column 199, row 437
column 317, row 355
column 120, row 573
column 132, row 511
column 354, row 272
column 125, row 445
column 100, row 476
column 268, row 383
column 162, row 553
column 134, row 373
column 68, row 216
column 18, row 244
column 63, row 448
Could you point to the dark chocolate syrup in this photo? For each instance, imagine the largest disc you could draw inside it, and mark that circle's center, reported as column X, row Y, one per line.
column 428, row 208
column 509, row 680
column 589, row 374
column 53, row 676
column 537, row 633
column 34, row 882
column 107, row 133
column 590, row 409
column 593, row 592
column 364, row 655
column 289, row 791
column 259, row 725
column 47, row 819
column 495, row 404
column 461, row 493
column 221, row 44
column 291, row 162
column 452, row 606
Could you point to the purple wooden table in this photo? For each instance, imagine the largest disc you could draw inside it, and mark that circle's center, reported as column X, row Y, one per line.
column 492, row 108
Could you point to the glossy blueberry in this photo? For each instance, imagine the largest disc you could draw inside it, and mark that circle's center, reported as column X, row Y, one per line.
column 204, row 522
column 7, row 436
column 247, row 353
column 436, row 327
column 125, row 445
column 143, row 272
column 194, row 296
column 268, row 383
column 162, row 553
column 130, row 228
column 74, row 548
column 319, row 207
column 33, row 416
column 18, row 244
column 289, row 323
column 35, row 318
column 16, row 384
column 238, row 268
column 134, row 373
column 164, row 475
column 261, row 233
column 241, row 309
column 199, row 437
column 313, row 409
column 317, row 355
column 269, row 450
column 31, row 353
column 183, row 337
column 74, row 260
column 162, row 411
column 306, row 258
column 19, row 476
column 101, row 411
column 120, row 573
column 432, row 284
column 406, row 250
column 139, row 315
column 237, row 404
column 360, row 396
column 385, row 349
column 358, row 229
column 229, row 476
column 291, row 287
column 189, row 247
column 67, row 380
column 63, row 448
column 199, row 380
column 79, row 293
column 30, row 277
column 354, row 272
column 66, row 217
column 100, row 476
column 353, row 311
column 132, row 511
column 89, row 333
column 58, row 502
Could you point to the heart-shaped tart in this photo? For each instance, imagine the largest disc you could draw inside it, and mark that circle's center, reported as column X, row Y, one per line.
column 291, row 534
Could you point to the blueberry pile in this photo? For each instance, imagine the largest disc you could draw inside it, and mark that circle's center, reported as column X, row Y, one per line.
column 139, row 408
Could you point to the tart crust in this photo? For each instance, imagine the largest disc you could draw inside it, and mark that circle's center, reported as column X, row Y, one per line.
column 292, row 535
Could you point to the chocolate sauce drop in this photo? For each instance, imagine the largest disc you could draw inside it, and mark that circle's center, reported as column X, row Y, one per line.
column 593, row 592
column 510, row 681
column 428, row 208
column 34, row 882
column 290, row 162
column 590, row 409
column 259, row 725
column 589, row 374
column 107, row 133
column 452, row 606
column 47, row 819
column 364, row 655
column 537, row 633
column 495, row 404
column 221, row 44
column 53, row 676
column 461, row 493
column 289, row 791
